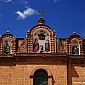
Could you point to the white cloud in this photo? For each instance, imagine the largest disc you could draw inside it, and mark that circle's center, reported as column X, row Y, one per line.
column 20, row 14
column 54, row 1
column 5, row 0
column 25, row 13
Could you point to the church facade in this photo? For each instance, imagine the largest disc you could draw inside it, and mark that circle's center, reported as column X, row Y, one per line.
column 41, row 58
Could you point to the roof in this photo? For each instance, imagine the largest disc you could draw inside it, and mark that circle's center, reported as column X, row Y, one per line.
column 74, row 35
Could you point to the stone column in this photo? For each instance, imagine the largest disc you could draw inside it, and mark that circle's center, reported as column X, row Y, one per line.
column 69, row 72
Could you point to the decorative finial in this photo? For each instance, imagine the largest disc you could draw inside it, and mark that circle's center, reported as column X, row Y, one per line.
column 74, row 32
column 54, row 30
column 28, row 30
column 41, row 12
column 54, row 33
column 8, row 30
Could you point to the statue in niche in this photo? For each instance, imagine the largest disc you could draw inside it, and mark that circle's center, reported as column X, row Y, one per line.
column 47, row 46
column 41, row 36
column 35, row 45
column 41, row 50
column 75, row 50
column 6, row 47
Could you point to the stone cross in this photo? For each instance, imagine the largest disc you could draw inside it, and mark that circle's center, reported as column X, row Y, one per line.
column 41, row 12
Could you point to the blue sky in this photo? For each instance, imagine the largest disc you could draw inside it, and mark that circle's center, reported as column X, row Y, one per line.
column 66, row 16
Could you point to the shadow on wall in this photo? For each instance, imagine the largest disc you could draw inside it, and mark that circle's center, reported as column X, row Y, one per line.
column 74, row 73
column 53, row 81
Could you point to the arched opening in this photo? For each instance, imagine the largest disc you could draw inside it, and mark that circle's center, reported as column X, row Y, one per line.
column 75, row 47
column 40, row 77
column 41, row 41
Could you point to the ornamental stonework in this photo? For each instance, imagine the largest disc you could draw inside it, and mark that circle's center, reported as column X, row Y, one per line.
column 41, row 58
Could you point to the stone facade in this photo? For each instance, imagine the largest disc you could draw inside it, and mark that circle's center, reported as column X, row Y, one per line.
column 62, row 58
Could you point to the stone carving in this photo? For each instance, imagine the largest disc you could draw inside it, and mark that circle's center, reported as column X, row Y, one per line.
column 23, row 46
